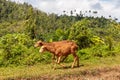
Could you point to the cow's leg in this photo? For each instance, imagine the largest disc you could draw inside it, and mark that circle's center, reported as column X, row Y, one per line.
column 64, row 58
column 75, row 59
column 53, row 58
column 59, row 60
column 55, row 61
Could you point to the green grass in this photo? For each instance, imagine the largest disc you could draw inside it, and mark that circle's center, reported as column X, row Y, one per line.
column 46, row 69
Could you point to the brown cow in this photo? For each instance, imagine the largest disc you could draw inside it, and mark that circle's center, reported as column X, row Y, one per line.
column 60, row 49
column 56, row 44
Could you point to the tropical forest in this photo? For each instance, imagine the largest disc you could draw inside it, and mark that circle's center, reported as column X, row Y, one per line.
column 22, row 25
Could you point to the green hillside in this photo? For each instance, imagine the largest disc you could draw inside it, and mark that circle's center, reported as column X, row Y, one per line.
column 21, row 26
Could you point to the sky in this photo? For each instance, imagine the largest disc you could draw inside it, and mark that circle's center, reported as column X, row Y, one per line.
column 103, row 7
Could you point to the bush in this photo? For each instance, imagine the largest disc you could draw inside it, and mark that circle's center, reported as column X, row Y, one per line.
column 97, row 51
column 17, row 49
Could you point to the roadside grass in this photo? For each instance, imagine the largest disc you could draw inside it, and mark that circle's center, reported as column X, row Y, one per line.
column 46, row 70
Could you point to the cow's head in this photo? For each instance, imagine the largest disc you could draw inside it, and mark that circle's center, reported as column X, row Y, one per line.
column 38, row 44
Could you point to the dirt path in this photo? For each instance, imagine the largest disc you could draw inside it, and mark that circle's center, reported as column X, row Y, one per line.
column 95, row 74
column 92, row 74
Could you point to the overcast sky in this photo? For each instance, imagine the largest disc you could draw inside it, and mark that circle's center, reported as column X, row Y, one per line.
column 104, row 7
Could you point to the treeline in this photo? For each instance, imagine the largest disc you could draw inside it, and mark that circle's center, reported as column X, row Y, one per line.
column 21, row 25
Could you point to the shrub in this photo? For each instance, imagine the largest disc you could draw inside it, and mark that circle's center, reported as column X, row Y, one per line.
column 17, row 49
column 96, row 51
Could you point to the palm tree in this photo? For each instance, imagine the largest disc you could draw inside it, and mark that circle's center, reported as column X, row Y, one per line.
column 71, row 12
column 64, row 12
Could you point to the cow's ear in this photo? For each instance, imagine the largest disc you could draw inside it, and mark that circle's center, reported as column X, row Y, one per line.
column 40, row 43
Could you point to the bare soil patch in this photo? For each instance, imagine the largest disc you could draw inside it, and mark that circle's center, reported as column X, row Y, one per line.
column 111, row 73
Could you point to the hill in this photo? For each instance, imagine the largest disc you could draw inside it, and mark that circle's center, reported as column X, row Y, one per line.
column 23, row 18
column 21, row 26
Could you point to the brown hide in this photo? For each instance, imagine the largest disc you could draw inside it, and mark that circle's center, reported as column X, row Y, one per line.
column 60, row 49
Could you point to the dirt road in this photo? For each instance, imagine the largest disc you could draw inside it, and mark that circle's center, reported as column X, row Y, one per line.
column 92, row 74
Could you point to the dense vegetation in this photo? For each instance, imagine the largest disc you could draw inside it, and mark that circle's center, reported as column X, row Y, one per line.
column 21, row 26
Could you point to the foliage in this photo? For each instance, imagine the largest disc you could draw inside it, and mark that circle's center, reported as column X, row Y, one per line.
column 17, row 49
column 21, row 25
column 81, row 33
column 96, row 51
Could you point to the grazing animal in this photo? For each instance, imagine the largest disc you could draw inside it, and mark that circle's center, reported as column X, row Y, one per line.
column 55, row 44
column 60, row 49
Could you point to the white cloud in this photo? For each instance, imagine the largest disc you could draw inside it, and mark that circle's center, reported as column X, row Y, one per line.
column 104, row 7
column 96, row 6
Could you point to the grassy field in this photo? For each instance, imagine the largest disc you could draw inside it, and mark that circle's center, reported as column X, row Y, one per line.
column 45, row 71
